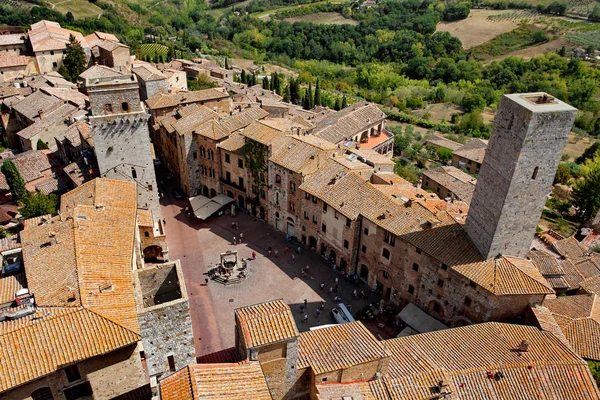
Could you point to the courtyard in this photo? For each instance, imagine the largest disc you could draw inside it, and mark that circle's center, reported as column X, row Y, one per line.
column 198, row 244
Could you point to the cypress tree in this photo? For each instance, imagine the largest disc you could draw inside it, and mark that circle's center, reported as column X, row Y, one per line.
column 337, row 106
column 310, row 96
column 74, row 61
column 317, row 100
column 344, row 102
column 286, row 94
column 305, row 102
column 265, row 83
column 14, row 180
column 294, row 93
column 243, row 76
column 226, row 63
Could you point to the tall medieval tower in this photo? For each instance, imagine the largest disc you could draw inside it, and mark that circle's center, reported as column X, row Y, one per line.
column 529, row 135
column 121, row 138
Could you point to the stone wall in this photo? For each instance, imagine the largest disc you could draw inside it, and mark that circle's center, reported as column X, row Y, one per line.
column 122, row 96
column 110, row 375
column 167, row 331
column 517, row 173
column 150, row 88
column 235, row 172
column 123, row 152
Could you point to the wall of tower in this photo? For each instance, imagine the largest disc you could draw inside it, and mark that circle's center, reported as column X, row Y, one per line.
column 122, row 146
column 517, row 172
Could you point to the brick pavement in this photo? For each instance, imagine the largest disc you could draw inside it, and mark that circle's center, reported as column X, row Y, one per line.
column 198, row 244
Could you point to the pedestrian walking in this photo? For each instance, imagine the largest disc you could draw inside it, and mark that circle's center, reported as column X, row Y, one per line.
column 270, row 251
column 306, row 269
column 305, row 318
column 336, row 280
column 286, row 249
column 293, row 257
column 322, row 305
column 299, row 250
column 330, row 289
column 241, row 236
column 234, row 240
column 322, row 285
column 305, row 302
column 335, row 288
column 355, row 293
column 303, row 272
column 206, row 281
column 318, row 312
column 253, row 255
column 276, row 253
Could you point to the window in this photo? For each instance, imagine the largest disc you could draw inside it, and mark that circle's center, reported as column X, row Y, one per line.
column 171, row 361
column 54, row 65
column 314, row 200
column 440, row 283
column 125, row 107
column 386, row 275
column 411, row 289
column 227, row 158
column 276, row 197
column 366, row 231
column 324, row 207
column 52, row 52
column 473, row 284
column 254, row 189
column 292, row 186
column 444, row 267
column 390, row 238
column 535, row 171
column 324, row 228
column 348, row 222
column 228, row 176
column 262, row 194
column 418, row 251
column 346, row 244
column 307, row 196
column 108, row 108
column 315, row 219
column 305, row 214
column 292, row 206
column 363, row 248
column 468, row 301
column 195, row 155
column 211, row 155
column 386, row 254
column 133, row 173
column 415, row 267
column 72, row 373
column 146, row 234
column 436, row 307
column 277, row 178
column 76, row 392
column 240, row 163
column 150, row 187
column 335, row 214
column 241, row 182
column 324, row 380
column 42, row 394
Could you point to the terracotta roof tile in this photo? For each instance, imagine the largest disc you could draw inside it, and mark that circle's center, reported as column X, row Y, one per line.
column 453, row 179
column 193, row 119
column 591, row 285
column 144, row 218
column 243, row 118
column 569, row 248
column 234, row 143
column 261, row 133
column 46, row 35
column 301, row 154
column 441, row 141
column 337, row 347
column 473, row 150
column 266, row 323
column 163, row 100
column 9, row 285
column 344, row 124
column 41, row 343
column 579, row 318
column 239, row 381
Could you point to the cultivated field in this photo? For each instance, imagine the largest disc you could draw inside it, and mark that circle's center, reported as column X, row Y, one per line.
column 330, row 18
column 152, row 50
column 477, row 28
column 577, row 145
column 79, row 8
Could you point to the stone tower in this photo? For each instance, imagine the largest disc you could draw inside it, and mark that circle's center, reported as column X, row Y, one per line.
column 529, row 135
column 121, row 139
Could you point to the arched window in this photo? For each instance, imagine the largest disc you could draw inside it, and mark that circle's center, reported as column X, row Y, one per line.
column 42, row 394
column 133, row 173
column 535, row 171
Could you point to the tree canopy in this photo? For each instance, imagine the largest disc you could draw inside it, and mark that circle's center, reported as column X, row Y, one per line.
column 14, row 180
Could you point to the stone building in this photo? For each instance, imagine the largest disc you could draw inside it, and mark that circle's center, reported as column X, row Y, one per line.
column 449, row 182
column 164, row 319
column 233, row 169
column 122, row 145
column 346, row 361
column 106, row 50
column 49, row 42
column 362, row 123
column 177, row 80
column 470, row 156
column 162, row 104
column 293, row 158
column 514, row 175
column 54, row 342
column 150, row 79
